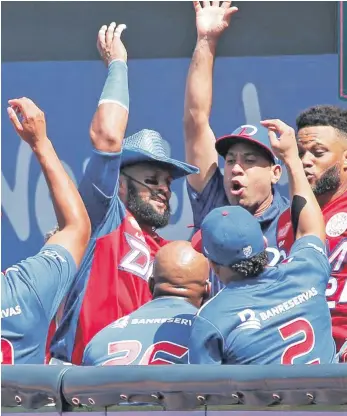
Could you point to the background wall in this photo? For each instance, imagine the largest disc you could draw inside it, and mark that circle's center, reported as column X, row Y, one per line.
column 276, row 59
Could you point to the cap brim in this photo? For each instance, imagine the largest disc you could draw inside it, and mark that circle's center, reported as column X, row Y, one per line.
column 223, row 144
column 177, row 168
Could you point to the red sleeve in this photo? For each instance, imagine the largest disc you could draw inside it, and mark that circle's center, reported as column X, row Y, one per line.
column 196, row 241
column 285, row 236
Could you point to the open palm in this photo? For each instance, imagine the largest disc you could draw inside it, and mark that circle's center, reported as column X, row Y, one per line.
column 213, row 19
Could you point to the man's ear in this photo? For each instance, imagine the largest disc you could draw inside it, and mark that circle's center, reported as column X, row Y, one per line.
column 276, row 173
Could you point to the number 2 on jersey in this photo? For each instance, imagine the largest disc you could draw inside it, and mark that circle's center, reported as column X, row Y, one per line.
column 7, row 352
column 297, row 349
column 130, row 351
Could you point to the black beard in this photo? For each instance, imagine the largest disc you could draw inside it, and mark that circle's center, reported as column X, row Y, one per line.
column 143, row 211
column 328, row 182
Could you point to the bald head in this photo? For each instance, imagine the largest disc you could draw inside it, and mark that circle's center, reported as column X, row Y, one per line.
column 179, row 270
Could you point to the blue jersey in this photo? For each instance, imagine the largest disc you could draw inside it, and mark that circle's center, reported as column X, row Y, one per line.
column 157, row 333
column 112, row 279
column 31, row 292
column 213, row 196
column 279, row 317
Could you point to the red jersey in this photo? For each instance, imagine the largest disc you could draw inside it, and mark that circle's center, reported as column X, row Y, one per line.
column 335, row 217
column 112, row 280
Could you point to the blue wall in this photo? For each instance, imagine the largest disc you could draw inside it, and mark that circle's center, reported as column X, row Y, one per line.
column 246, row 89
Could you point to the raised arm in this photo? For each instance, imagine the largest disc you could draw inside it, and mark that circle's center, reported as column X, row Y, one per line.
column 110, row 120
column 73, row 221
column 211, row 21
column 307, row 217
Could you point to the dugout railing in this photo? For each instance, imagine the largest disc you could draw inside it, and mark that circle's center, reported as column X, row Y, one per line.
column 58, row 389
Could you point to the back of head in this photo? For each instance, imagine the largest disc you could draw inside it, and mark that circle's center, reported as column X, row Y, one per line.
column 233, row 241
column 181, row 271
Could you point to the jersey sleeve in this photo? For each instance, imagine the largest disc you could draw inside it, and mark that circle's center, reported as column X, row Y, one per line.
column 311, row 253
column 206, row 343
column 99, row 185
column 212, row 196
column 48, row 276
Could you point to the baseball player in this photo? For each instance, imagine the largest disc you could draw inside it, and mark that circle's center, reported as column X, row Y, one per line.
column 126, row 189
column 322, row 143
column 158, row 332
column 266, row 315
column 32, row 290
column 251, row 171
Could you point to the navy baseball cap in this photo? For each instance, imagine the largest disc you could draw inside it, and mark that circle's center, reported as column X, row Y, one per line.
column 231, row 234
column 255, row 134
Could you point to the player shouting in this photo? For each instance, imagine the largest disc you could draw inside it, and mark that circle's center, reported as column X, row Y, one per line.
column 267, row 315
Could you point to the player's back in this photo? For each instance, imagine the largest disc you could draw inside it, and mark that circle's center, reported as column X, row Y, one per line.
column 279, row 317
column 157, row 333
column 31, row 292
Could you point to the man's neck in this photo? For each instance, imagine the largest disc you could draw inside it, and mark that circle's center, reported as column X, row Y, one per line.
column 264, row 205
column 328, row 197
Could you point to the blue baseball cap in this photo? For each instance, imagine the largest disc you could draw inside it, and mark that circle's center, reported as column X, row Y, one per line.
column 148, row 146
column 231, row 234
column 255, row 134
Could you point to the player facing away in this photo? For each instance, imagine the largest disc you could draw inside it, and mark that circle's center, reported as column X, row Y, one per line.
column 158, row 332
column 266, row 314
column 251, row 171
column 322, row 143
column 126, row 189
column 32, row 290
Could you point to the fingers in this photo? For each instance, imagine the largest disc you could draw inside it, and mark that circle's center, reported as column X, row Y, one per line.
column 101, row 42
column 119, row 30
column 197, row 6
column 110, row 33
column 215, row 3
column 226, row 4
column 26, row 107
column 14, row 119
column 206, row 3
column 231, row 11
column 276, row 125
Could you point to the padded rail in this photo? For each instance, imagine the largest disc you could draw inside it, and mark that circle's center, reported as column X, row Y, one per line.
column 175, row 387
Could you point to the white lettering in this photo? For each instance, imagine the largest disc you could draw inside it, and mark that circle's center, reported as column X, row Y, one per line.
column 11, row 311
column 289, row 304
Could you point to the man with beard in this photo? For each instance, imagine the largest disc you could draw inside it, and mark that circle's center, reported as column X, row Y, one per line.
column 322, row 143
column 126, row 189
column 251, row 171
column 158, row 332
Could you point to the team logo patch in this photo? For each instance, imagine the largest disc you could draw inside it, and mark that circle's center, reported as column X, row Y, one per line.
column 282, row 232
column 247, row 251
column 121, row 323
column 337, row 224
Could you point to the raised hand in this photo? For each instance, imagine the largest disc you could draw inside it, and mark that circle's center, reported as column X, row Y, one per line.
column 212, row 18
column 28, row 120
column 284, row 146
column 110, row 45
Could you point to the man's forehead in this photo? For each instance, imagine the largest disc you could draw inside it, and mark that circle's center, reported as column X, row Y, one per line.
column 244, row 148
column 316, row 135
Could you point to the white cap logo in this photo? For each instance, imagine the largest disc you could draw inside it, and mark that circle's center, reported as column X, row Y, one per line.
column 247, row 251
